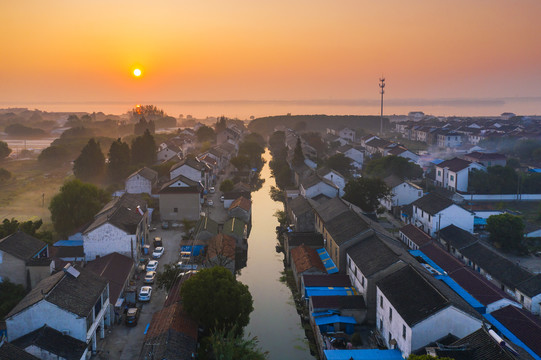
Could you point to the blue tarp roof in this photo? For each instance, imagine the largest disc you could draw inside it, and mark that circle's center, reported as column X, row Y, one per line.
column 329, row 291
column 437, row 161
column 196, row 249
column 479, row 221
column 325, row 313
column 463, row 293
column 535, row 170
column 427, row 259
column 364, row 354
column 508, row 334
column 327, row 261
column 335, row 319
column 68, row 243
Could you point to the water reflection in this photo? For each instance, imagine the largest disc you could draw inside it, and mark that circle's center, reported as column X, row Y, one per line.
column 274, row 320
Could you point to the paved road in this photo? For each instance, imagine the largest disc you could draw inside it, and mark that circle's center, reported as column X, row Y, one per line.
column 124, row 342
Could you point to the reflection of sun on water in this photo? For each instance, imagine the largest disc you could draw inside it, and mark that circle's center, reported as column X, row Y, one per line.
column 137, row 72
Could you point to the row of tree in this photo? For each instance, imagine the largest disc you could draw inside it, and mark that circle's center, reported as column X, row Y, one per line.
column 503, row 180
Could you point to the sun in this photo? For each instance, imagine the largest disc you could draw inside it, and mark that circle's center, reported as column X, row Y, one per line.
column 137, row 72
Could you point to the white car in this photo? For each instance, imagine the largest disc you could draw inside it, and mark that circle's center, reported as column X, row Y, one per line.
column 145, row 293
column 210, row 202
column 158, row 252
column 212, row 190
column 150, row 277
column 152, row 265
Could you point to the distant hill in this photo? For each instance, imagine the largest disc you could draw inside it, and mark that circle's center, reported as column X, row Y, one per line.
column 369, row 123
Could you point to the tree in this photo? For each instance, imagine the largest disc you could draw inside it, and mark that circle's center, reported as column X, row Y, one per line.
column 166, row 279
column 392, row 165
column 218, row 301
column 118, row 166
column 506, row 230
column 143, row 150
column 496, row 180
column 142, row 125
column 366, row 192
column 4, row 150
column 226, row 186
column 229, row 345
column 221, row 124
column 340, row 163
column 4, row 175
column 205, row 133
column 75, row 205
column 255, row 138
column 10, row 295
column 277, row 140
column 54, row 155
column 298, row 156
column 90, row 163
column 240, row 162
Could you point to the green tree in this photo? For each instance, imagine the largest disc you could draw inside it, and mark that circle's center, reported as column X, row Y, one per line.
column 392, row 165
column 143, row 150
column 4, row 175
column 255, row 138
column 366, row 192
column 496, row 180
column 205, row 133
column 54, row 155
column 215, row 299
column 10, row 295
column 506, row 230
column 340, row 163
column 227, row 185
column 118, row 166
column 90, row 163
column 277, row 140
column 4, row 150
column 240, row 162
column 298, row 156
column 221, row 124
column 166, row 279
column 229, row 345
column 75, row 205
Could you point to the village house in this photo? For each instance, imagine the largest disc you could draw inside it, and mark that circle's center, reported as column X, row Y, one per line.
column 238, row 230
column 48, row 343
column 142, row 181
column 24, row 260
column 354, row 153
column 241, row 209
column 411, row 309
column 433, row 212
column 449, row 139
column 74, row 301
column 168, row 150
column 10, row 351
column 402, row 192
column 301, row 214
column 221, row 251
column 205, row 229
column 180, row 199
column 347, row 134
column 486, row 159
column 294, row 239
column 453, row 174
column 120, row 226
column 193, row 169
column 413, row 237
column 333, row 176
column 403, row 152
column 342, row 305
column 305, row 260
column 315, row 185
column 378, row 146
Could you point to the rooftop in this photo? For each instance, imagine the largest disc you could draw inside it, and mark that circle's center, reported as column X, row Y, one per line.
column 122, row 212
column 306, row 258
column 21, row 245
column 299, row 205
column 455, row 164
column 114, row 267
column 418, row 236
column 337, row 280
column 53, row 341
column 432, row 203
column 146, row 173
column 346, row 226
column 340, row 302
column 372, row 255
column 457, row 237
column 241, row 203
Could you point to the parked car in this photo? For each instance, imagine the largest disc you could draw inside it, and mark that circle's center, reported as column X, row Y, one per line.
column 145, row 293
column 222, row 198
column 158, row 241
column 158, row 252
column 165, row 225
column 210, row 202
column 212, row 190
column 152, row 265
column 150, row 277
column 132, row 315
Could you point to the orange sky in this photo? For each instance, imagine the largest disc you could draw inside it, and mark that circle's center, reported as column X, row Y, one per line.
column 238, row 49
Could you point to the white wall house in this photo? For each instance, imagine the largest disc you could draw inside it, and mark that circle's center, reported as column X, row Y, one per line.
column 335, row 177
column 453, row 174
column 193, row 169
column 403, row 152
column 168, row 151
column 433, row 212
column 356, row 155
column 142, row 181
column 402, row 192
column 314, row 185
column 74, row 302
column 449, row 139
column 528, row 293
column 347, row 134
column 411, row 312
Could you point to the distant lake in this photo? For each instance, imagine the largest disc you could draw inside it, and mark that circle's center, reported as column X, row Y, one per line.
column 16, row 145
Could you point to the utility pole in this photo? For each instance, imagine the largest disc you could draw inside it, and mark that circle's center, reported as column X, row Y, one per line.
column 382, row 91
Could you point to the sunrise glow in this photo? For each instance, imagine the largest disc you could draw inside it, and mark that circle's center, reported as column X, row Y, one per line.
column 137, row 72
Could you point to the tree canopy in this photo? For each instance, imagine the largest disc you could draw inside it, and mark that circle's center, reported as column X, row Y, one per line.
column 229, row 345
column 298, row 155
column 506, row 230
column 143, row 150
column 227, row 185
column 205, row 133
column 340, row 163
column 54, row 155
column 75, row 205
column 10, row 226
column 90, row 164
column 166, row 278
column 10, row 295
column 4, row 150
column 4, row 175
column 215, row 299
column 118, row 166
column 366, row 192
column 392, row 165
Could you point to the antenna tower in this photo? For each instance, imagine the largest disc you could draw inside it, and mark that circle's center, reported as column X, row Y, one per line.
column 382, row 91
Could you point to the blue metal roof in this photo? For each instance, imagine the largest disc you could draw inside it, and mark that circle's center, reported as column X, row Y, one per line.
column 508, row 334
column 535, row 170
column 427, row 259
column 196, row 249
column 463, row 293
column 327, row 261
column 68, row 243
column 479, row 221
column 335, row 319
column 325, row 313
column 329, row 291
column 364, row 354
column 437, row 161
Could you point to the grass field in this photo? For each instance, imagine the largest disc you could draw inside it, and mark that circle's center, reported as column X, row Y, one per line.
column 27, row 194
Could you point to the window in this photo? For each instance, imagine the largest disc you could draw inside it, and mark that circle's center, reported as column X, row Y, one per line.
column 404, row 331
column 349, row 263
column 439, row 172
column 362, row 281
column 355, row 272
column 175, row 210
column 522, row 299
column 428, row 217
column 390, row 314
column 381, row 301
column 390, row 337
column 452, row 177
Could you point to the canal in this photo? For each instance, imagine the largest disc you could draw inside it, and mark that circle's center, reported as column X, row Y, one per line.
column 274, row 320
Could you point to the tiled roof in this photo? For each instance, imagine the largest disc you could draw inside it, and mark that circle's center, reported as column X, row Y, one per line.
column 457, row 237
column 397, row 150
column 67, row 252
column 206, row 224
column 418, row 236
column 52, row 341
column 330, row 209
column 191, row 162
column 299, row 205
column 479, row 156
column 21, row 245
column 116, row 268
column 531, row 287
column 76, row 295
column 432, row 203
column 341, row 302
column 9, row 351
column 346, row 226
column 393, row 181
column 524, row 326
column 337, row 280
column 307, row 238
column 121, row 212
column 315, row 179
column 221, row 245
column 478, row 286
column 242, row 203
column 234, row 226
column 378, row 143
column 193, row 186
column 146, row 173
column 446, row 261
column 403, row 287
column 306, row 258
column 455, row 164
column 372, row 255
